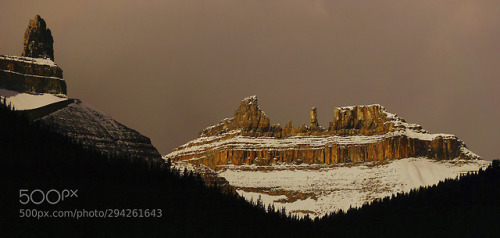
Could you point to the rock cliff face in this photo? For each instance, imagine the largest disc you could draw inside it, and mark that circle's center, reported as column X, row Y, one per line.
column 360, row 120
column 31, row 75
column 38, row 41
column 357, row 134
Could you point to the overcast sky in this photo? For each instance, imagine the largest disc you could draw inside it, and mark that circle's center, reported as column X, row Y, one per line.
column 170, row 68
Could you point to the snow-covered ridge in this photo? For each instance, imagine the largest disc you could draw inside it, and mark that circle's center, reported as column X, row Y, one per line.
column 39, row 61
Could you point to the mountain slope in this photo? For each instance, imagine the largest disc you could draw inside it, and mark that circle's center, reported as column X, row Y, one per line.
column 464, row 207
column 95, row 129
column 317, row 190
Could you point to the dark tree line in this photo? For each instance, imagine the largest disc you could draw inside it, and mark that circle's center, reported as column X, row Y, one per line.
column 468, row 206
column 32, row 157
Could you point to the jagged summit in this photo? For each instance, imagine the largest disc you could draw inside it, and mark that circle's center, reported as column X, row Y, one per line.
column 38, row 41
column 250, row 100
column 251, row 120
column 357, row 134
column 248, row 119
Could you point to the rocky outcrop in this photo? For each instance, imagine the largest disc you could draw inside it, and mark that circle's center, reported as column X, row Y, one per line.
column 357, row 134
column 38, row 41
column 31, row 75
column 248, row 119
column 360, row 120
column 35, row 72
column 314, row 125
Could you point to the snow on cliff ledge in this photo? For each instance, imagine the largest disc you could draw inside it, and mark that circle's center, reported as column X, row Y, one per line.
column 26, row 101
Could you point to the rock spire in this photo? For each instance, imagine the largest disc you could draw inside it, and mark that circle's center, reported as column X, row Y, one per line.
column 38, row 41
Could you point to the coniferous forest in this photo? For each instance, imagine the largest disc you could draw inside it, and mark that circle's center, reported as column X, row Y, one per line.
column 32, row 157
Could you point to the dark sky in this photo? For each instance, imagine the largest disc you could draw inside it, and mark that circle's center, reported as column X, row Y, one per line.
column 170, row 68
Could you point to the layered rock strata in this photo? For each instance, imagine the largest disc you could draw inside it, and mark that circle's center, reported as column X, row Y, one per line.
column 94, row 129
column 357, row 134
column 31, row 75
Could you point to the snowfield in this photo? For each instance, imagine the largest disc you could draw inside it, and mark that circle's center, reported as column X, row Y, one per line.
column 26, row 101
column 320, row 189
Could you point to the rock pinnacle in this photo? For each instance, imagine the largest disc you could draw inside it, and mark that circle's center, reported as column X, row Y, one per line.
column 38, row 41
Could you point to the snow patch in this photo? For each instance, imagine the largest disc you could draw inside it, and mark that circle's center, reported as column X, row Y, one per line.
column 345, row 185
column 26, row 101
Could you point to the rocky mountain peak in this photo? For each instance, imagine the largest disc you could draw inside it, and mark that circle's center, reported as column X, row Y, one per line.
column 38, row 41
column 365, row 133
column 249, row 117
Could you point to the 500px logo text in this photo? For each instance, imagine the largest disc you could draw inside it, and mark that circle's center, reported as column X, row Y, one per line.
column 52, row 196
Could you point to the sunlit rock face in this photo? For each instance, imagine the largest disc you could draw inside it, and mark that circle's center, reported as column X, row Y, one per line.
column 357, row 134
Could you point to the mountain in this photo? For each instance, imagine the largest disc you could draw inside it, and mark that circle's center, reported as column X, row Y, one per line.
column 97, row 130
column 33, row 85
column 32, row 157
column 141, row 199
column 357, row 134
column 366, row 153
